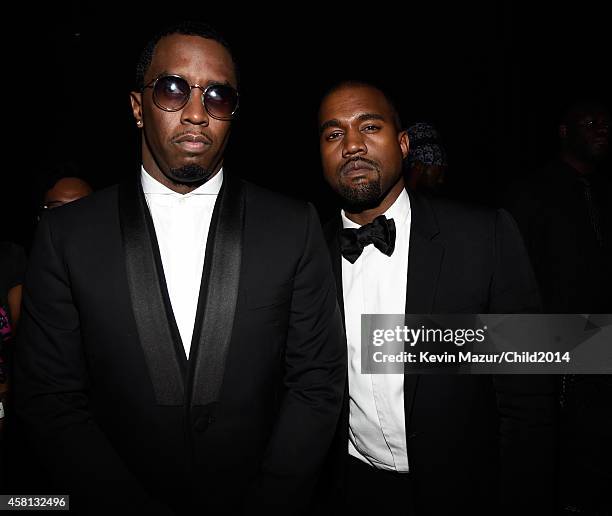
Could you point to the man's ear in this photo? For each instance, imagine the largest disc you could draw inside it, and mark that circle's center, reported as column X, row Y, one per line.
column 404, row 143
column 563, row 131
column 136, row 101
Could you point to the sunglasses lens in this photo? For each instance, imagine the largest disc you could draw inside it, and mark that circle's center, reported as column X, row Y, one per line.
column 171, row 93
column 221, row 101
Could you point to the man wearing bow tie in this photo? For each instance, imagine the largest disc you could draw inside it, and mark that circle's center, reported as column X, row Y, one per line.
column 430, row 444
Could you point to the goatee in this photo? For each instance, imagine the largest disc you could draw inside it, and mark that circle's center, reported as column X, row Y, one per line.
column 189, row 174
column 361, row 196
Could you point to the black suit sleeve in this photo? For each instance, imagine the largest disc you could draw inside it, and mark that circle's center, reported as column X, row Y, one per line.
column 526, row 402
column 315, row 373
column 51, row 392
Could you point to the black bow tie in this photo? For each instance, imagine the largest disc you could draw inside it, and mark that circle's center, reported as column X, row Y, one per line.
column 380, row 232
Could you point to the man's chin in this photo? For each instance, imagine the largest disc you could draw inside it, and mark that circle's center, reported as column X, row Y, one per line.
column 190, row 174
column 355, row 200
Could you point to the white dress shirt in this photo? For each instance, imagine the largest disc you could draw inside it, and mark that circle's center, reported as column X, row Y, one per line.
column 181, row 225
column 376, row 284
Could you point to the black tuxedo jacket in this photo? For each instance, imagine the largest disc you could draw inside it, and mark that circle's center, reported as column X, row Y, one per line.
column 477, row 444
column 117, row 411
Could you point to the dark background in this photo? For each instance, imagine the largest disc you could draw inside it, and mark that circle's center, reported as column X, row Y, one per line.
column 491, row 76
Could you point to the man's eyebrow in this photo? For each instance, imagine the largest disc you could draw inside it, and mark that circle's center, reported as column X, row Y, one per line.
column 370, row 116
column 334, row 122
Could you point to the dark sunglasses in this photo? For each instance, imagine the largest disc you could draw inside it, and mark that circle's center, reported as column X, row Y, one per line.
column 172, row 92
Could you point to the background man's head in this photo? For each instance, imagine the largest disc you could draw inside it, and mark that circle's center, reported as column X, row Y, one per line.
column 185, row 145
column 65, row 190
column 362, row 145
column 427, row 162
column 585, row 131
column 58, row 185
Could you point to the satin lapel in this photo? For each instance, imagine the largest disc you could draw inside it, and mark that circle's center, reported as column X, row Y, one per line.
column 424, row 260
column 332, row 235
column 160, row 342
column 218, row 294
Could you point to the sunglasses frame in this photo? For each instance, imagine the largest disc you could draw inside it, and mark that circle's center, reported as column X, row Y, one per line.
column 153, row 83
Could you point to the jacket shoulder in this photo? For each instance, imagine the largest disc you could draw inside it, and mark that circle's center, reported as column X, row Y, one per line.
column 263, row 198
column 460, row 219
column 276, row 209
column 85, row 219
column 87, row 209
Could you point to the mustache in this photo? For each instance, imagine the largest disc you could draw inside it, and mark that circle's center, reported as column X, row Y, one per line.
column 363, row 162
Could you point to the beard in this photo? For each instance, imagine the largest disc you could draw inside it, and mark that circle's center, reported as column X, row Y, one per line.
column 360, row 196
column 189, row 174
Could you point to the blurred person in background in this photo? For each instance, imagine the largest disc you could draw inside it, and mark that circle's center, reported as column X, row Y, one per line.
column 427, row 163
column 565, row 214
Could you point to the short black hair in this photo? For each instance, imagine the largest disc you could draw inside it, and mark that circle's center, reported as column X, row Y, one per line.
column 360, row 82
column 186, row 28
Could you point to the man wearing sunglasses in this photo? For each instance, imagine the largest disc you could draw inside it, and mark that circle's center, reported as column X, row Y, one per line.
column 182, row 350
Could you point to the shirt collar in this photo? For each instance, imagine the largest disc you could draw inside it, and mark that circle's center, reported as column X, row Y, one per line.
column 151, row 185
column 399, row 211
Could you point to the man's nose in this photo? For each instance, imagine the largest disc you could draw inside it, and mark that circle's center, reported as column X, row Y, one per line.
column 194, row 111
column 353, row 144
